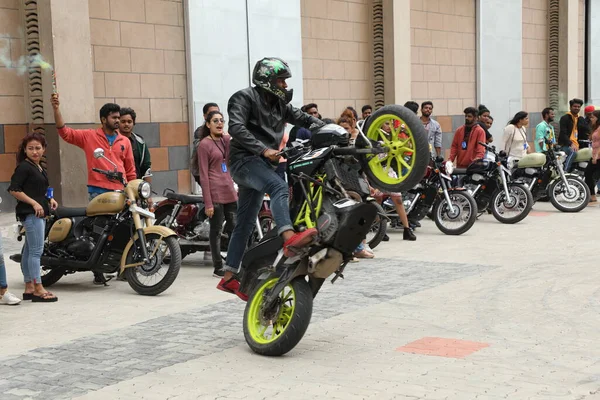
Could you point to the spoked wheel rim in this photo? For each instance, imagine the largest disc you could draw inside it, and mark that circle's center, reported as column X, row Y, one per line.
column 401, row 146
column 515, row 205
column 572, row 198
column 458, row 216
column 267, row 325
column 154, row 271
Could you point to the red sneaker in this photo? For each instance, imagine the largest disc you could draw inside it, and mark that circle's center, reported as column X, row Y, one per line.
column 299, row 240
column 232, row 286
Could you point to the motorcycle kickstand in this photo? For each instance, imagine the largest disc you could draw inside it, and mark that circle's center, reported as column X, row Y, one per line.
column 339, row 273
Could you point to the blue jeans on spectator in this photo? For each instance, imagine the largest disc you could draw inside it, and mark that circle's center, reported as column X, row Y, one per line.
column 255, row 177
column 570, row 156
column 33, row 248
column 3, row 281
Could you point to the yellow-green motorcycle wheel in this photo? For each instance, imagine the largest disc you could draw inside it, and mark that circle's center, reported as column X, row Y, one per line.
column 400, row 131
column 277, row 332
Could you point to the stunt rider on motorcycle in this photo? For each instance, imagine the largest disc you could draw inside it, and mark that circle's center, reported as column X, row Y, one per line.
column 257, row 117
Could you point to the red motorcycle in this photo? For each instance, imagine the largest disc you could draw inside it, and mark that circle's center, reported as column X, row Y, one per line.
column 185, row 214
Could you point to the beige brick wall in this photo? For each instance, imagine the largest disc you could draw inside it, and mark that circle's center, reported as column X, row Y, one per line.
column 139, row 57
column 443, row 38
column 535, row 55
column 581, row 50
column 336, row 54
column 12, row 47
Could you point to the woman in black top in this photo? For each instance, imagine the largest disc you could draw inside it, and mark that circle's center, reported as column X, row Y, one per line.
column 29, row 185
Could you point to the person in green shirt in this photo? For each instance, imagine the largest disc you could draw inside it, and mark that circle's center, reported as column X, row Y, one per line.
column 544, row 130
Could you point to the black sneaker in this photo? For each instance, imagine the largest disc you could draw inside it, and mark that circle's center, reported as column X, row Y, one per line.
column 409, row 235
column 218, row 273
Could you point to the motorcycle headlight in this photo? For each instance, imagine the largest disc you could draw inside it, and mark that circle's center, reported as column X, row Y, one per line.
column 144, row 190
column 449, row 167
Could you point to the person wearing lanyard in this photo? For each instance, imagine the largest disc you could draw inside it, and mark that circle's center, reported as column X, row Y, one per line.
column 220, row 197
column 515, row 137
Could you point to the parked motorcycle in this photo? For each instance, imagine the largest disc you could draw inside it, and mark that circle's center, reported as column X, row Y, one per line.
column 581, row 160
column 282, row 289
column 114, row 233
column 491, row 186
column 185, row 214
column 544, row 175
column 454, row 210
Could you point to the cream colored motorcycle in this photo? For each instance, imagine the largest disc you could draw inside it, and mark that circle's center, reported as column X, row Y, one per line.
column 114, row 233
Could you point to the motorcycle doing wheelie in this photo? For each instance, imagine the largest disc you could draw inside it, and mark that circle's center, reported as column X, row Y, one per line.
column 544, row 175
column 325, row 182
column 454, row 210
column 490, row 184
column 114, row 233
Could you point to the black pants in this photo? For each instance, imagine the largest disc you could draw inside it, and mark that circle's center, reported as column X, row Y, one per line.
column 223, row 212
column 591, row 175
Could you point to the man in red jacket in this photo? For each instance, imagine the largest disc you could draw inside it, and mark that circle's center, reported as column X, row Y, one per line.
column 116, row 147
column 465, row 147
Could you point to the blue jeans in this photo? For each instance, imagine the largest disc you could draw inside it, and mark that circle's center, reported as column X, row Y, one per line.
column 570, row 156
column 33, row 248
column 255, row 177
column 3, row 281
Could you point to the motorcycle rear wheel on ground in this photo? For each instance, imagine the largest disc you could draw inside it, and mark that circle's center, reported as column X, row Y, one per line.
column 278, row 329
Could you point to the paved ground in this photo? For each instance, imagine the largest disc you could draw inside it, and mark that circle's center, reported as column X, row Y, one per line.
column 500, row 312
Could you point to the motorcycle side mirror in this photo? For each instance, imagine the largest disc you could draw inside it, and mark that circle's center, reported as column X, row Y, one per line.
column 439, row 159
column 502, row 153
column 98, row 153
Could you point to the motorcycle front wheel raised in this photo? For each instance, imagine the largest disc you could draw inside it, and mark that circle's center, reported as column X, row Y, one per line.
column 520, row 203
column 155, row 276
column 461, row 216
column 400, row 131
column 276, row 330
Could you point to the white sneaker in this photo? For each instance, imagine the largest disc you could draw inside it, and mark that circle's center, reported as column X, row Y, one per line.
column 9, row 299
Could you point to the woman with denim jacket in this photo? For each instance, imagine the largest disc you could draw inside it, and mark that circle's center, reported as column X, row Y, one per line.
column 29, row 185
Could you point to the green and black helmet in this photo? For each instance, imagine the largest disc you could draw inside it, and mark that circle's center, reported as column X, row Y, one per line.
column 265, row 75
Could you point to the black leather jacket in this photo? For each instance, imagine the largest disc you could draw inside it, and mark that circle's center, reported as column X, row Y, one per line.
column 257, row 122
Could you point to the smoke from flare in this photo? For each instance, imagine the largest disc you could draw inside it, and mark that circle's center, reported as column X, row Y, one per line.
column 24, row 63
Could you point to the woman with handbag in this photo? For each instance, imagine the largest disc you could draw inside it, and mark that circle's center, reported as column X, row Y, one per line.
column 515, row 137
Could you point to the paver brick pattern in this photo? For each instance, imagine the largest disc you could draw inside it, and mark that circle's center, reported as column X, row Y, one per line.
column 97, row 361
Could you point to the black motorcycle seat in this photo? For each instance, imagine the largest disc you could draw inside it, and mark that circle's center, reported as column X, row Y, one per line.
column 69, row 212
column 185, row 198
column 459, row 171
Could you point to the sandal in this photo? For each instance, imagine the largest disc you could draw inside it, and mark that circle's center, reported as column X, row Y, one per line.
column 27, row 296
column 44, row 298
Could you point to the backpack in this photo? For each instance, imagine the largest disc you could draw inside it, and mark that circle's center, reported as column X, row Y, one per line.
column 195, row 171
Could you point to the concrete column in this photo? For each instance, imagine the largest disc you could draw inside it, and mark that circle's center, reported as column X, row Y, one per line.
column 397, row 50
column 568, row 53
column 594, row 52
column 65, row 43
column 500, row 58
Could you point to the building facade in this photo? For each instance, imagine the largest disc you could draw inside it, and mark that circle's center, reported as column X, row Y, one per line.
column 167, row 58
